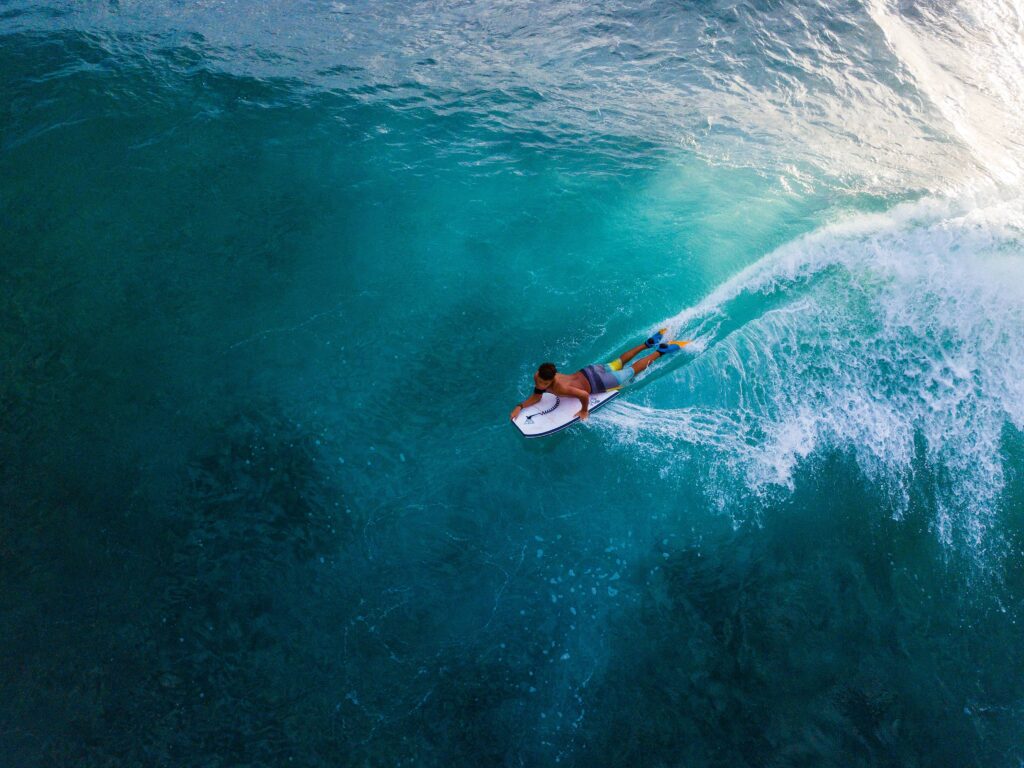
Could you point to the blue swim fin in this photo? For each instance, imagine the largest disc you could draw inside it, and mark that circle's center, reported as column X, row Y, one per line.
column 669, row 347
column 656, row 338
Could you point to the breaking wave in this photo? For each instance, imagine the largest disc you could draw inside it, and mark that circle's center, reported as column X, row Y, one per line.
column 898, row 338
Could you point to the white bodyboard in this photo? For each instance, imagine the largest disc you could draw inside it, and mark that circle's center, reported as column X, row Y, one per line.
column 556, row 412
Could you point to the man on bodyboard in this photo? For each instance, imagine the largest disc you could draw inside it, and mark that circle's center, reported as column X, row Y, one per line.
column 597, row 378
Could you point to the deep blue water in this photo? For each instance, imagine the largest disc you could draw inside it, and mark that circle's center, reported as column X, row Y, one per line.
column 273, row 276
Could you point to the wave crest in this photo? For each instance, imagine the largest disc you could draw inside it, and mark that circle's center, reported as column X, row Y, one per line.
column 897, row 338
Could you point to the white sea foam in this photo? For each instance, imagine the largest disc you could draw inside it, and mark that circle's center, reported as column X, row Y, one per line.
column 896, row 338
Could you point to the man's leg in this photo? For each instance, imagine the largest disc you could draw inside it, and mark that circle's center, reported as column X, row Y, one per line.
column 628, row 355
column 625, row 357
column 641, row 365
column 625, row 375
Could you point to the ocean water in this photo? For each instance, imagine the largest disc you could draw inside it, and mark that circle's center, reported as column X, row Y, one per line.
column 273, row 275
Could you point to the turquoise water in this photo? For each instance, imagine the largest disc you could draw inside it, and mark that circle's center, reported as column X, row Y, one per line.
column 274, row 276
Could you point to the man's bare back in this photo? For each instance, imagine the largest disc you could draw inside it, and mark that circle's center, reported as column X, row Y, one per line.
column 566, row 382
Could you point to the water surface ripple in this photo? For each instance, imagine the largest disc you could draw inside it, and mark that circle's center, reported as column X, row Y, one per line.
column 272, row 276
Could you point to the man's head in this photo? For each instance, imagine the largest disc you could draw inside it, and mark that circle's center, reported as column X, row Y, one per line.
column 545, row 375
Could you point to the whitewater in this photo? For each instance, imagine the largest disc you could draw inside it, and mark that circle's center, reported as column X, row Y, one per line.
column 895, row 336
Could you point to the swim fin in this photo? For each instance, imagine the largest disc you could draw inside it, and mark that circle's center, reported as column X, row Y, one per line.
column 669, row 347
column 655, row 338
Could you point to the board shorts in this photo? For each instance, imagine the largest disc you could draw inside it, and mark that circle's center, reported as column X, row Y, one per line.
column 605, row 376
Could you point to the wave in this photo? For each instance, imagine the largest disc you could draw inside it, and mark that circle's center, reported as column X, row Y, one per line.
column 967, row 59
column 897, row 338
column 837, row 96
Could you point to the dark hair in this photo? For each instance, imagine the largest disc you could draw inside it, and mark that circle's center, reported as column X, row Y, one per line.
column 547, row 371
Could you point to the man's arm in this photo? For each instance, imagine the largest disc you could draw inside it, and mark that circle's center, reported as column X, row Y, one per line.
column 584, row 398
column 534, row 398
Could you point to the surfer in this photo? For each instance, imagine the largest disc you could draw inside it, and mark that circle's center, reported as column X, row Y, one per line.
column 601, row 377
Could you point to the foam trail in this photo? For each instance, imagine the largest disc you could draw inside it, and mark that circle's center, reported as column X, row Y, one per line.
column 897, row 338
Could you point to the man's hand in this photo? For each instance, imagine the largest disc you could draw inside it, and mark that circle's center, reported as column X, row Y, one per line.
column 515, row 412
column 584, row 415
